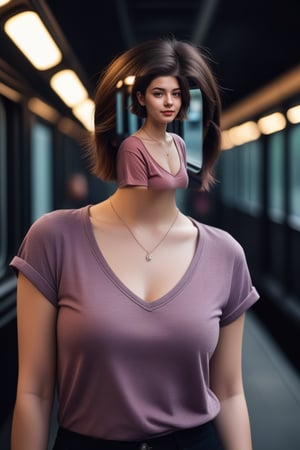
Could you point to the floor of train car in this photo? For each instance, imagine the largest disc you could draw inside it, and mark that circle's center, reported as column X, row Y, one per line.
column 272, row 388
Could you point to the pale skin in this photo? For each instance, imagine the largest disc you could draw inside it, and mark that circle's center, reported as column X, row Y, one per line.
column 149, row 214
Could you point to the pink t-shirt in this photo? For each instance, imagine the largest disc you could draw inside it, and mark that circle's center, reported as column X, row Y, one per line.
column 136, row 166
column 128, row 369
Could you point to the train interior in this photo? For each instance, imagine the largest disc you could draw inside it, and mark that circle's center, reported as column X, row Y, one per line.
column 254, row 52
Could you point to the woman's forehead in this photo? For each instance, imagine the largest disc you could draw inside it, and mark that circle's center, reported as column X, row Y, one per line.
column 164, row 82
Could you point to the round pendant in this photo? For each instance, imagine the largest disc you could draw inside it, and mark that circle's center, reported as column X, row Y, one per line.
column 148, row 257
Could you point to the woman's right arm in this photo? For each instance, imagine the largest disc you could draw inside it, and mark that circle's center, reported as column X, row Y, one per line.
column 36, row 318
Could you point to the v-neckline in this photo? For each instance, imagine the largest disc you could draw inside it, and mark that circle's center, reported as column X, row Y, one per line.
column 156, row 162
column 164, row 299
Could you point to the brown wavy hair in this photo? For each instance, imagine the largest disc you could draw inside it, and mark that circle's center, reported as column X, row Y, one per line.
column 158, row 57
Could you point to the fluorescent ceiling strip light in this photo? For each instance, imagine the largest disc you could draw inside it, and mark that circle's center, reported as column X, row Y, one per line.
column 293, row 114
column 68, row 87
column 85, row 113
column 32, row 38
column 272, row 123
column 246, row 132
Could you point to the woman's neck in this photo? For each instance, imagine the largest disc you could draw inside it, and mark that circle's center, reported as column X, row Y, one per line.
column 154, row 132
column 145, row 205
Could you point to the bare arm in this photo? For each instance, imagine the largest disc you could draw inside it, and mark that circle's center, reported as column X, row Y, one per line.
column 36, row 341
column 226, row 382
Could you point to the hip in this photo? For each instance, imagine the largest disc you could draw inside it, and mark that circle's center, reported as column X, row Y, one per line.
column 203, row 437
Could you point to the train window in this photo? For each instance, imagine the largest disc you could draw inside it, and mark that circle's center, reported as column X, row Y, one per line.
column 41, row 170
column 120, row 129
column 240, row 176
column 126, row 122
column 3, row 194
column 276, row 177
column 294, row 179
column 192, row 132
column 228, row 162
column 250, row 177
column 132, row 119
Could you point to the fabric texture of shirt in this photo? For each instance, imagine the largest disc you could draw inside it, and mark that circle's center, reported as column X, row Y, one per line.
column 129, row 369
column 136, row 166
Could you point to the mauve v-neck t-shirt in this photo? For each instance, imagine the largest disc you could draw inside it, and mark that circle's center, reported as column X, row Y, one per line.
column 136, row 166
column 128, row 369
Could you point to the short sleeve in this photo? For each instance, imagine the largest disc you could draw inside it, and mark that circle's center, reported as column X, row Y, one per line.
column 242, row 293
column 37, row 259
column 131, row 168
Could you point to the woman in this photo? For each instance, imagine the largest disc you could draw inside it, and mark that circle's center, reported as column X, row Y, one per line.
column 136, row 307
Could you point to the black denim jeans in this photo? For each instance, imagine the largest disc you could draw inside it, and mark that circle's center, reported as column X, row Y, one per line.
column 203, row 437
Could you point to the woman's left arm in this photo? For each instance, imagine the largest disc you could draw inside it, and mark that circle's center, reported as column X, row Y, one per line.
column 227, row 383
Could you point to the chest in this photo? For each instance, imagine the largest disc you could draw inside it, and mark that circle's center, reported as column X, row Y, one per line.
column 166, row 156
column 120, row 301
column 149, row 265
column 102, row 315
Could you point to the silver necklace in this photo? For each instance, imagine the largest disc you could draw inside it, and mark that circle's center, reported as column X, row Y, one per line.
column 155, row 140
column 149, row 254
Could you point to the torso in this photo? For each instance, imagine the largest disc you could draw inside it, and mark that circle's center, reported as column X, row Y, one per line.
column 134, row 360
column 152, row 165
column 166, row 155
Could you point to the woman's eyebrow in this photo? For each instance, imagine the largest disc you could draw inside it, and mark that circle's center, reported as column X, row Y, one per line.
column 163, row 89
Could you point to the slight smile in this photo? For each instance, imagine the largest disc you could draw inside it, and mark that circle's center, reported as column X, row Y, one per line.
column 168, row 113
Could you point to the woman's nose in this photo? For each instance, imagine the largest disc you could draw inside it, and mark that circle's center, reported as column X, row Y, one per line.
column 168, row 100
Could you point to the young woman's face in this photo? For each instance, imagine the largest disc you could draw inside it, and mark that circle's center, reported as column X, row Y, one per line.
column 162, row 99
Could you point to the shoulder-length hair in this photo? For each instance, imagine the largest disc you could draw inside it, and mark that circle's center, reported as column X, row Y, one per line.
column 146, row 61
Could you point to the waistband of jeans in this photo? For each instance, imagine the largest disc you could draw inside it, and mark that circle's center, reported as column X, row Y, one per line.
column 184, row 437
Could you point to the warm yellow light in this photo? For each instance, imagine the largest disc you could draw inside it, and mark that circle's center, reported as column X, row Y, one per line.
column 42, row 109
column 71, row 128
column 293, row 114
column 227, row 144
column 30, row 35
column 246, row 132
column 10, row 93
column 68, row 87
column 3, row 2
column 119, row 84
column 272, row 123
column 85, row 113
column 129, row 81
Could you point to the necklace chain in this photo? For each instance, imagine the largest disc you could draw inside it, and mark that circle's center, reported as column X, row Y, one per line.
column 149, row 254
column 155, row 140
